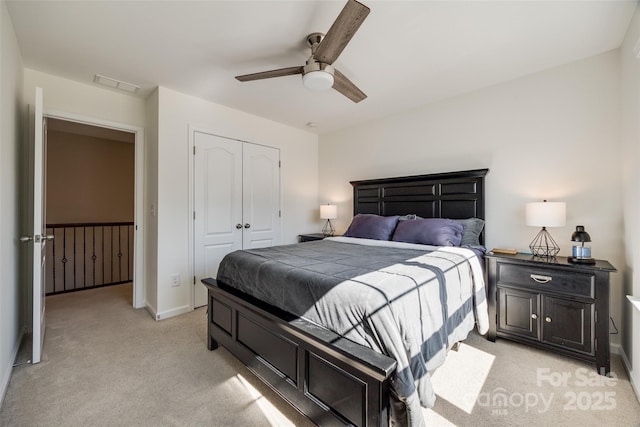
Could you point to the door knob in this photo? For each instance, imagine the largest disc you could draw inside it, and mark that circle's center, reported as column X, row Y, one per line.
column 238, row 226
column 25, row 239
column 247, row 225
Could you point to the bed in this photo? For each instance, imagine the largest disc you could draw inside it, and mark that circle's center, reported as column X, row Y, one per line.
column 332, row 365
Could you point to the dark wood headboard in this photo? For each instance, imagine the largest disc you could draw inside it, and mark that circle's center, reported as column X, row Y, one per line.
column 455, row 195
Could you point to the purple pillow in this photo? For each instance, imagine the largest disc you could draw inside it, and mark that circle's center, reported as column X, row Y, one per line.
column 370, row 226
column 429, row 231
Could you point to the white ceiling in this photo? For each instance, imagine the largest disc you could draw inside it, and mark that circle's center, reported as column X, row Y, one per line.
column 406, row 53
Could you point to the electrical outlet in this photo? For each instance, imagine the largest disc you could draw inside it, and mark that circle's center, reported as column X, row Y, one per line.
column 175, row 280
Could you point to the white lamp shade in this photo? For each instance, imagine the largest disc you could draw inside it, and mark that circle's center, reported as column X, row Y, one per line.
column 318, row 80
column 328, row 211
column 546, row 214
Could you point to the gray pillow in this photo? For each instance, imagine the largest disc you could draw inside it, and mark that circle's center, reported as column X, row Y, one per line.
column 370, row 226
column 472, row 229
column 429, row 231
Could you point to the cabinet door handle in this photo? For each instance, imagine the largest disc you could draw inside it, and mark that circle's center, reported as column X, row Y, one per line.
column 238, row 226
column 541, row 279
column 534, row 316
column 247, row 225
column 547, row 319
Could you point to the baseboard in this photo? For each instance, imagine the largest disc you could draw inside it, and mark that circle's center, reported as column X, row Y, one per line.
column 8, row 371
column 166, row 314
column 615, row 348
column 151, row 310
column 634, row 377
column 171, row 313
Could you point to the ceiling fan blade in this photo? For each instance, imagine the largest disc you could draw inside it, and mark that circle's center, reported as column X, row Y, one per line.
column 345, row 87
column 341, row 31
column 270, row 74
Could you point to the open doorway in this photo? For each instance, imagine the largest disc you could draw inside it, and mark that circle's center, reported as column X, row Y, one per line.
column 90, row 179
column 94, row 205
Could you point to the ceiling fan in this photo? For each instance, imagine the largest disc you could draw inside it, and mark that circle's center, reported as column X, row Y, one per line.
column 318, row 73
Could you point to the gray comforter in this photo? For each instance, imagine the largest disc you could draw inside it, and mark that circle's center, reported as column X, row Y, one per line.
column 410, row 302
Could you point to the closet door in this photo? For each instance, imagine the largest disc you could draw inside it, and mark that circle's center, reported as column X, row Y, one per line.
column 261, row 196
column 236, row 202
column 218, row 226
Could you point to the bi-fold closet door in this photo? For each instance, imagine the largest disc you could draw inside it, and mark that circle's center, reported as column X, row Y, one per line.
column 236, row 201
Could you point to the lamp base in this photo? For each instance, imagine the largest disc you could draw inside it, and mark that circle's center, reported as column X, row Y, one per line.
column 576, row 260
column 328, row 229
column 543, row 245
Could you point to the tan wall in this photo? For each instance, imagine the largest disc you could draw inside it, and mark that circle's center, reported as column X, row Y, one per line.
column 89, row 179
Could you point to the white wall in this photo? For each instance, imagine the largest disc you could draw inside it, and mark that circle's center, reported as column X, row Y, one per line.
column 299, row 182
column 93, row 101
column 630, row 67
column 552, row 135
column 12, row 114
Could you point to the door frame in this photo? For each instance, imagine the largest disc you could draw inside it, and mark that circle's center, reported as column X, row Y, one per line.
column 138, row 203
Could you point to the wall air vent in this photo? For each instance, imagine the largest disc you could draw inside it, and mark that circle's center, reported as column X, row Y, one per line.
column 116, row 84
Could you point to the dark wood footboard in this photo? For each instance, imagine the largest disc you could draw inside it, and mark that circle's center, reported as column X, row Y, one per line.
column 331, row 380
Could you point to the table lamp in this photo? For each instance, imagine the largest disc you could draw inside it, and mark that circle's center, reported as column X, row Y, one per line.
column 545, row 214
column 328, row 212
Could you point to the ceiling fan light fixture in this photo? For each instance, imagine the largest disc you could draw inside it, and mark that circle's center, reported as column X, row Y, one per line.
column 318, row 80
column 318, row 74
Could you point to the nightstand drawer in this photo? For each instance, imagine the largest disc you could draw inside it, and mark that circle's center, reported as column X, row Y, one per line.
column 549, row 280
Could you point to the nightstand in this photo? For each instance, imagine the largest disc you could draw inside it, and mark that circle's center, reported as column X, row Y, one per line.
column 551, row 304
column 310, row 237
